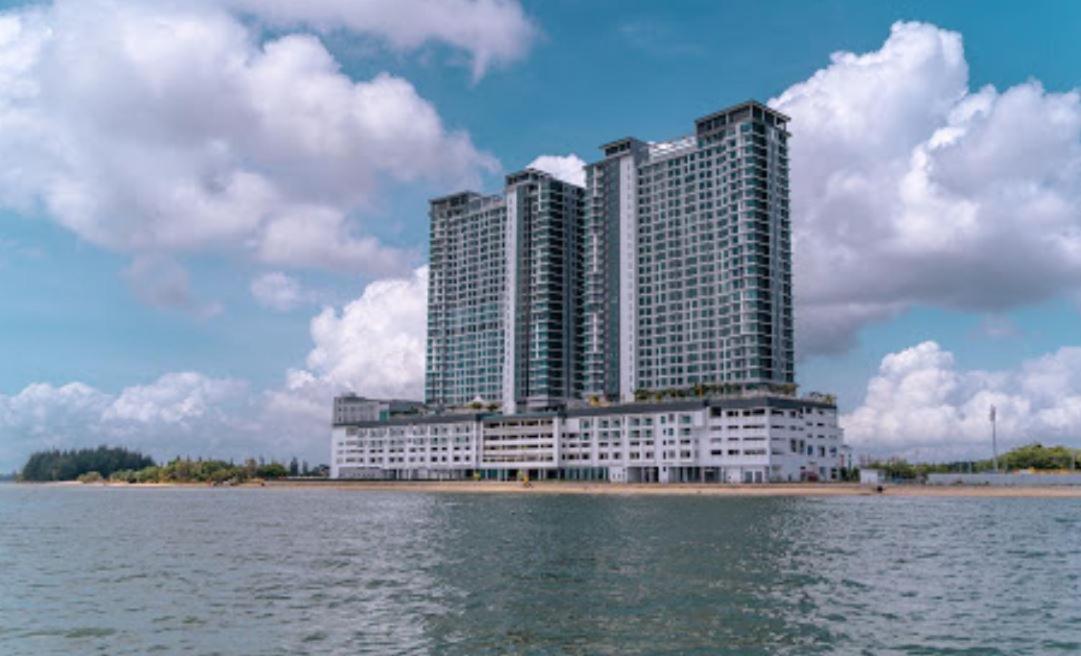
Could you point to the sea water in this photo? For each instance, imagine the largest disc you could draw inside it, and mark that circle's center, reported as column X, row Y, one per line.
column 87, row 569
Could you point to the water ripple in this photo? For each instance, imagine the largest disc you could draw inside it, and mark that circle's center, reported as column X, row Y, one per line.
column 124, row 571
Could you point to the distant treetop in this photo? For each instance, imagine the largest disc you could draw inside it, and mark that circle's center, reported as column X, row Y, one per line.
column 58, row 465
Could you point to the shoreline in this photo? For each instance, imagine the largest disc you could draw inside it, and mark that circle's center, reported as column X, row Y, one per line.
column 689, row 489
column 630, row 489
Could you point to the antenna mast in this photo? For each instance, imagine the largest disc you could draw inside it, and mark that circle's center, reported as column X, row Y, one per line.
column 994, row 440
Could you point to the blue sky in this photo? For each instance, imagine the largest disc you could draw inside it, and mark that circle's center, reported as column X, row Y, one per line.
column 89, row 299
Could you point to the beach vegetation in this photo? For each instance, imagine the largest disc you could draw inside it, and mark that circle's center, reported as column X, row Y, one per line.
column 1035, row 457
column 119, row 465
column 1039, row 457
column 56, row 465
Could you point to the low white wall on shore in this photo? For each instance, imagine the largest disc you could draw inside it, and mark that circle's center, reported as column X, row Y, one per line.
column 1027, row 480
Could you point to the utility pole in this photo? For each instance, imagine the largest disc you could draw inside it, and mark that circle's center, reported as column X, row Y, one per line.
column 994, row 441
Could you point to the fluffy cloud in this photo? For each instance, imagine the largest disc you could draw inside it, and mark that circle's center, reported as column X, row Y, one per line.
column 921, row 402
column 184, row 132
column 568, row 168
column 278, row 291
column 374, row 346
column 175, row 398
column 161, row 282
column 182, row 412
column 490, row 30
column 909, row 188
column 41, row 410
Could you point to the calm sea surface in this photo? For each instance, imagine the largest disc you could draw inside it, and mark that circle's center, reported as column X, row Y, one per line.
column 291, row 571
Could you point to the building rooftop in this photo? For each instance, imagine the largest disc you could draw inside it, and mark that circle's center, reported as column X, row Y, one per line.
column 527, row 175
column 751, row 108
column 707, row 123
column 659, row 149
column 780, row 402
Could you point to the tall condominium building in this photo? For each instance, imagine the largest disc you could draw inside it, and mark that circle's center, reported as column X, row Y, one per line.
column 672, row 269
column 607, row 296
column 662, row 292
column 466, row 299
column 543, row 214
column 500, row 327
column 690, row 259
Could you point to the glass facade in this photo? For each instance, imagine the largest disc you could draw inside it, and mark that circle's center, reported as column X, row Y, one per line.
column 672, row 269
column 714, row 255
column 502, row 268
column 546, row 213
column 466, row 299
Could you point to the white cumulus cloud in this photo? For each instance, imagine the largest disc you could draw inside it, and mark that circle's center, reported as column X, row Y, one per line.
column 568, row 168
column 373, row 346
column 909, row 188
column 44, row 412
column 492, row 31
column 185, row 132
column 921, row 403
column 175, row 398
column 162, row 282
column 183, row 413
column 279, row 291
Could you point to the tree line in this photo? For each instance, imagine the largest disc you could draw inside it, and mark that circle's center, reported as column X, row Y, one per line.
column 1030, row 456
column 186, row 470
column 56, row 465
column 124, row 466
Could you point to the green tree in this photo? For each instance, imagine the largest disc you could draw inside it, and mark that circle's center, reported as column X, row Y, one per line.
column 1037, row 456
column 56, row 465
column 272, row 470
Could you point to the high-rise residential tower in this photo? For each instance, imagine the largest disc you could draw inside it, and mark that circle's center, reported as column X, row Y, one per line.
column 688, row 260
column 543, row 214
column 466, row 299
column 670, row 270
column 500, row 320
column 635, row 330
column 607, row 297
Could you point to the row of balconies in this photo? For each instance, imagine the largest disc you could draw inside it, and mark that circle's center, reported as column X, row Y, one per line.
column 729, row 455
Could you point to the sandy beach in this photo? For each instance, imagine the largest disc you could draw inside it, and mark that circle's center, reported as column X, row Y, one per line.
column 629, row 489
column 621, row 489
